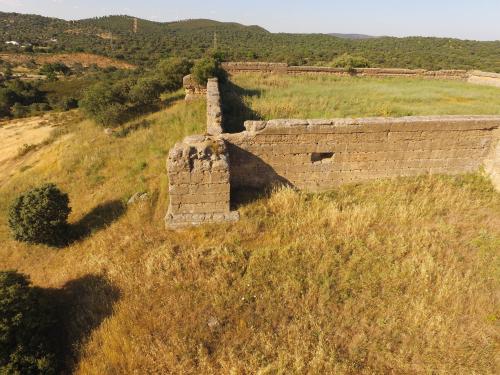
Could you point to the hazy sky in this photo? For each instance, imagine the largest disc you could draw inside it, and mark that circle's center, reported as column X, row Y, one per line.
column 466, row 19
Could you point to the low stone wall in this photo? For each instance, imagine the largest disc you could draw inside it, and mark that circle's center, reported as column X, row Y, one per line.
column 483, row 78
column 235, row 67
column 239, row 67
column 381, row 72
column 492, row 162
column 199, row 188
column 317, row 155
column 193, row 88
column 214, row 109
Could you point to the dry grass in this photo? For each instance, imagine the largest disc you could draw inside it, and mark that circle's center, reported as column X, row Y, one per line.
column 274, row 96
column 396, row 276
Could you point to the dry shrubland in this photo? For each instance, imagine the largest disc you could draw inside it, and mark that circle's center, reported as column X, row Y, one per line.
column 392, row 276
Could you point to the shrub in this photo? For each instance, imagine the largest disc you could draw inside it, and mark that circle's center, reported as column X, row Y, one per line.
column 350, row 62
column 105, row 103
column 40, row 216
column 27, row 322
column 207, row 68
column 65, row 104
column 169, row 73
column 146, row 91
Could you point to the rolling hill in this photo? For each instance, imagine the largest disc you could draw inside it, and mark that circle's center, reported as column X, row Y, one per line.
column 114, row 36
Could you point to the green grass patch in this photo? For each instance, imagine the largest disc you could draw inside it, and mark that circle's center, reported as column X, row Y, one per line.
column 271, row 96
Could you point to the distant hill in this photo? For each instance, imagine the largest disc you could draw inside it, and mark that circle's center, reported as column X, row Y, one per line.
column 353, row 36
column 115, row 37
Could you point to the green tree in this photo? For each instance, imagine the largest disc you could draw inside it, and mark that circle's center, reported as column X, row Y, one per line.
column 146, row 91
column 40, row 216
column 350, row 62
column 105, row 103
column 206, row 68
column 27, row 322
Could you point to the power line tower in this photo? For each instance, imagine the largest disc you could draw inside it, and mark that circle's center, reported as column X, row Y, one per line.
column 136, row 25
column 215, row 41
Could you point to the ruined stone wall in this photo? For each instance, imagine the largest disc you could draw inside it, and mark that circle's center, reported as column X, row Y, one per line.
column 235, row 67
column 492, row 162
column 199, row 189
column 193, row 88
column 239, row 67
column 317, row 155
column 214, row 109
column 483, row 78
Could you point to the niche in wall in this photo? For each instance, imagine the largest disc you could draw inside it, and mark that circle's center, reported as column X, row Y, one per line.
column 322, row 157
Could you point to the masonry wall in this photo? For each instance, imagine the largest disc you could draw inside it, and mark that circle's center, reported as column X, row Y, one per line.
column 483, row 78
column 199, row 189
column 317, row 155
column 492, row 162
column 214, row 109
column 239, row 67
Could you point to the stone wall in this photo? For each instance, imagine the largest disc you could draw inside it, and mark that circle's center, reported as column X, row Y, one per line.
column 239, row 67
column 235, row 67
column 214, row 109
column 199, row 188
column 492, row 162
column 193, row 88
column 483, row 78
column 317, row 155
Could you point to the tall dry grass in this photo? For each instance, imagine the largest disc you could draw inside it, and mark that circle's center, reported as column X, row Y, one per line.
column 393, row 276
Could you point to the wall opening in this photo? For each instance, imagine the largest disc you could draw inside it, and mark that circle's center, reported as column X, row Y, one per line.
column 322, row 157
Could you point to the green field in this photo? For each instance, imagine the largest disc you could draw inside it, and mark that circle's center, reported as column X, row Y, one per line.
column 269, row 96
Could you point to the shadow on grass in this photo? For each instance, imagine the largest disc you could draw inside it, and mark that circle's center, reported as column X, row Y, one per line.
column 234, row 109
column 81, row 306
column 252, row 178
column 98, row 219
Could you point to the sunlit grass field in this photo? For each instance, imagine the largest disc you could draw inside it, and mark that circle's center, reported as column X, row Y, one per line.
column 392, row 276
column 272, row 96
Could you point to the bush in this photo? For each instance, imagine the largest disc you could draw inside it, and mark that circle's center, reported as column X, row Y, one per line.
column 146, row 91
column 350, row 62
column 27, row 323
column 40, row 216
column 170, row 72
column 207, row 68
column 105, row 103
column 66, row 104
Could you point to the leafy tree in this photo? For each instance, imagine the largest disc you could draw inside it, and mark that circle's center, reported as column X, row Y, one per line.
column 40, row 216
column 170, row 73
column 206, row 68
column 27, row 322
column 350, row 62
column 146, row 91
column 105, row 104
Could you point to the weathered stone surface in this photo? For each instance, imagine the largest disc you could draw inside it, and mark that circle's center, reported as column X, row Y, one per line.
column 198, row 172
column 320, row 154
column 193, row 89
column 483, row 78
column 492, row 162
column 214, row 109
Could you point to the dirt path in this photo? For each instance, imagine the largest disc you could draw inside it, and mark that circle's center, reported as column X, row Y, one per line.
column 15, row 134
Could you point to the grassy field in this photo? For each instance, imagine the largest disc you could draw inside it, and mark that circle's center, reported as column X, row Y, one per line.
column 394, row 276
column 271, row 96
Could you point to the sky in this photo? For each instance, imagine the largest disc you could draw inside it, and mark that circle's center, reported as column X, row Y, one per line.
column 464, row 19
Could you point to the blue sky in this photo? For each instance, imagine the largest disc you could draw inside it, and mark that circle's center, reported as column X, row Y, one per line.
column 466, row 19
